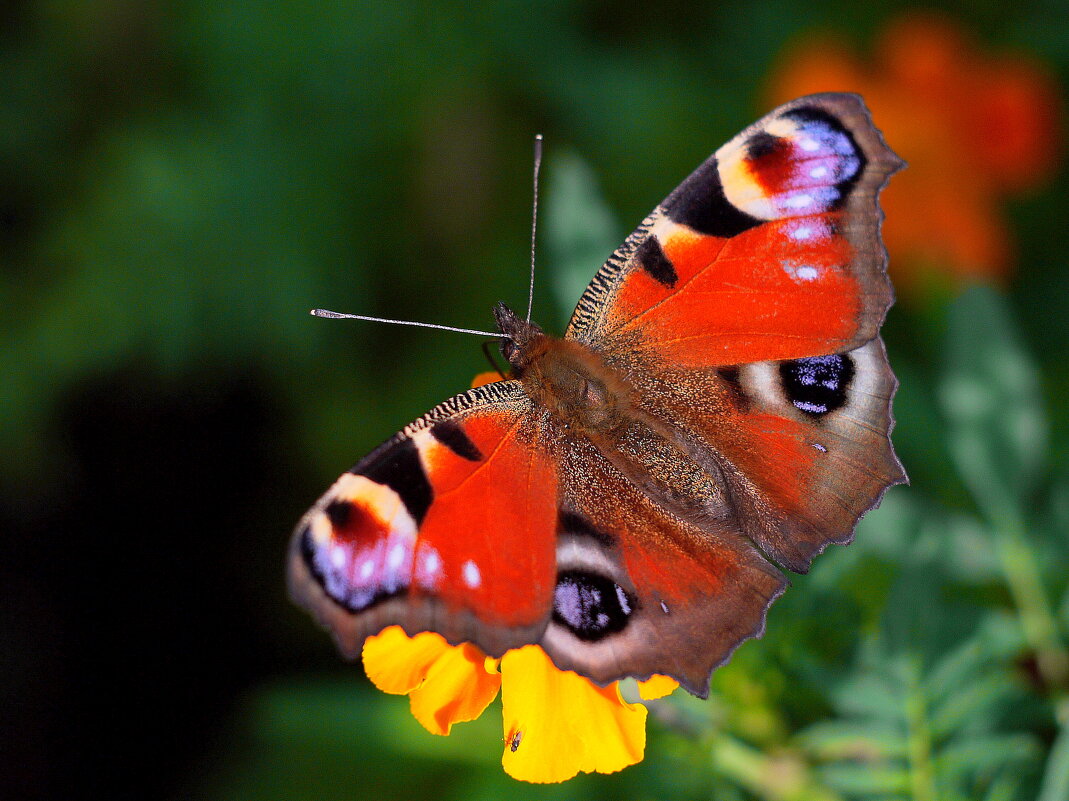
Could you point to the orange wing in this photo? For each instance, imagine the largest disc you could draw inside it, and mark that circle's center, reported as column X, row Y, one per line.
column 769, row 250
column 448, row 527
column 800, row 447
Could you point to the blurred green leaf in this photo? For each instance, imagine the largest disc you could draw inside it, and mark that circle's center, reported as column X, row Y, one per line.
column 1055, row 784
column 854, row 740
column 867, row 781
column 581, row 231
column 923, row 711
column 996, row 425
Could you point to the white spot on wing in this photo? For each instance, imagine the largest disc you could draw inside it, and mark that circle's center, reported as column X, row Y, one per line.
column 338, row 557
column 809, row 144
column 396, row 557
column 428, row 566
column 818, row 172
column 472, row 577
column 799, row 271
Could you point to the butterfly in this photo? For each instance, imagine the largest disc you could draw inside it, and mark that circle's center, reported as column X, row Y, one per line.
column 718, row 410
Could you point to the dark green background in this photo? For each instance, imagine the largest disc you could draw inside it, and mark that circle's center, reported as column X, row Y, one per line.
column 181, row 182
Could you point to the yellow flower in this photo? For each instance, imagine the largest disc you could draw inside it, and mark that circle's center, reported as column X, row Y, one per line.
column 555, row 723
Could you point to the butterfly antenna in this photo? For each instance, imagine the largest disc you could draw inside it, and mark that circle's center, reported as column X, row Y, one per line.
column 333, row 315
column 534, row 220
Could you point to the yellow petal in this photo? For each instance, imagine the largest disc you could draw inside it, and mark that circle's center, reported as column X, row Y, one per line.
column 558, row 723
column 397, row 663
column 657, row 686
column 457, row 688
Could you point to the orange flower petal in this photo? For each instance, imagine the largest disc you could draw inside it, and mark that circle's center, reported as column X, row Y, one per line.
column 488, row 377
column 558, row 723
column 972, row 126
column 397, row 663
column 657, row 687
column 1021, row 116
column 457, row 688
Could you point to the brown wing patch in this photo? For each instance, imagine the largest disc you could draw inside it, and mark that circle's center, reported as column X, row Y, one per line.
column 653, row 593
column 800, row 460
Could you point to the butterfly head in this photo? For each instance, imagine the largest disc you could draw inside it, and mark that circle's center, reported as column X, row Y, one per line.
column 520, row 338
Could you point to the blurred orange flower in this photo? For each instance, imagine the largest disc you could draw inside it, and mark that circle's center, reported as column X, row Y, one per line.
column 555, row 723
column 973, row 127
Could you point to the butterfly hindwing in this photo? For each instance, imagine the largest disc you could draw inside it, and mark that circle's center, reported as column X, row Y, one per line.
column 800, row 446
column 447, row 527
column 643, row 590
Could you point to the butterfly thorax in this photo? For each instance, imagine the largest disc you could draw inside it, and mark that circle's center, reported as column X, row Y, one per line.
column 563, row 376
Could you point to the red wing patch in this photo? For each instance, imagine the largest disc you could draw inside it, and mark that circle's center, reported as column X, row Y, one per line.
column 491, row 528
column 779, row 290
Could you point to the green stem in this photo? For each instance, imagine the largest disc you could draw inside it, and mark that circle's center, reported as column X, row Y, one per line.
column 919, row 740
column 785, row 777
column 1055, row 786
column 1033, row 608
column 1023, row 577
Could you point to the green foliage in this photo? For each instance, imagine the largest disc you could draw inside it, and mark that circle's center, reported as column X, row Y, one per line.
column 925, row 696
column 182, row 182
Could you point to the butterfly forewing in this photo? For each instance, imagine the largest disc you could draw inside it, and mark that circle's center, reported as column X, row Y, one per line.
column 769, row 250
column 449, row 526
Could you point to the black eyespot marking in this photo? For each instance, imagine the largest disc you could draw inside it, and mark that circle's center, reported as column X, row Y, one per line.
column 699, row 203
column 450, row 434
column 651, row 258
column 398, row 467
column 338, row 512
column 817, row 385
column 763, row 144
column 574, row 523
column 590, row 606
column 336, row 581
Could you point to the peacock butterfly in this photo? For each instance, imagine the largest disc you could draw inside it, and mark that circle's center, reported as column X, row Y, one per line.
column 719, row 407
